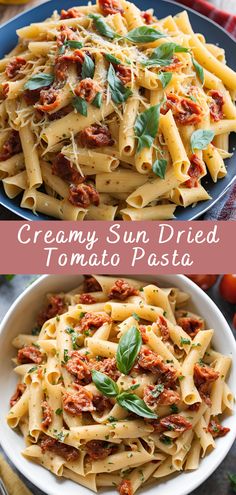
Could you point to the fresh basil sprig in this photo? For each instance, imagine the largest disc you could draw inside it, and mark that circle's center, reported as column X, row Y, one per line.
column 146, row 127
column 80, row 105
column 119, row 93
column 134, row 404
column 70, row 44
column 88, row 68
column 144, row 34
column 40, row 80
column 128, row 349
column 163, row 54
column 201, row 138
column 102, row 27
column 97, row 101
column 159, row 167
column 165, row 78
column 199, row 70
column 104, row 384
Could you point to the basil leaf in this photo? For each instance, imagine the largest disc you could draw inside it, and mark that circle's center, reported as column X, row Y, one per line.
column 104, row 384
column 88, row 68
column 163, row 54
column 34, row 368
column 40, row 80
column 165, row 78
column 134, row 404
column 119, row 93
column 113, row 60
column 146, row 127
column 102, row 27
column 74, row 44
column 201, row 138
column 199, row 70
column 97, row 101
column 144, row 34
column 159, row 167
column 80, row 105
column 128, row 349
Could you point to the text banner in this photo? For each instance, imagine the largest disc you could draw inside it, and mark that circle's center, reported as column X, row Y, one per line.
column 119, row 247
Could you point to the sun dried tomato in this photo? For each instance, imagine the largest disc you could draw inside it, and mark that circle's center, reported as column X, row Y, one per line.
column 29, row 354
column 98, row 449
column 11, row 146
column 66, row 451
column 109, row 7
column 83, row 195
column 216, row 104
column 150, row 361
column 56, row 306
column 64, row 169
column 121, row 290
column 91, row 284
column 174, row 422
column 184, row 110
column 14, row 67
column 88, row 89
column 78, row 366
column 47, row 414
column 78, row 402
column 190, row 325
column 125, row 487
column 95, row 136
column 86, row 299
column 195, row 171
column 17, row 394
column 216, row 429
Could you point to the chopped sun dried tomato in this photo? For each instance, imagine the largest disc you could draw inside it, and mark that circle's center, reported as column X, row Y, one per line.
column 78, row 402
column 83, row 195
column 148, row 17
column 49, row 100
column 11, row 146
column 216, row 429
column 175, row 65
column 216, row 105
column 78, row 367
column 125, row 487
column 66, row 451
column 174, row 422
column 14, row 67
column 88, row 89
column 99, row 449
column 121, row 290
column 29, row 354
column 124, row 73
column 55, row 307
column 17, row 394
column 92, row 321
column 166, row 397
column 185, row 111
column 109, row 7
column 95, row 136
column 71, row 13
column 203, row 377
column 106, row 366
column 195, row 171
column 150, row 361
column 47, row 414
column 190, row 325
column 64, row 169
column 86, row 299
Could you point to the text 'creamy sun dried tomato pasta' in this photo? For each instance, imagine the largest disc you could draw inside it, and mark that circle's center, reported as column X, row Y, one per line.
column 119, row 385
column 108, row 112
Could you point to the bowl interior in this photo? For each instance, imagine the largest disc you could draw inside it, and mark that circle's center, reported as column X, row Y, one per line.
column 20, row 319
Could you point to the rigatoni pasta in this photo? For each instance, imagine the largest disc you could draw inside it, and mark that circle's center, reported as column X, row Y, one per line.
column 118, row 385
column 105, row 111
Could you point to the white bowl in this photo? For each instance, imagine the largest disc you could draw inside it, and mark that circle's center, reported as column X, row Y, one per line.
column 20, row 318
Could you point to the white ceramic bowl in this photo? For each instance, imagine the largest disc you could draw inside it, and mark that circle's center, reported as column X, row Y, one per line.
column 20, row 318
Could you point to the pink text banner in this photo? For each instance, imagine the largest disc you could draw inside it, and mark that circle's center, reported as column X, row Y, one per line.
column 119, row 247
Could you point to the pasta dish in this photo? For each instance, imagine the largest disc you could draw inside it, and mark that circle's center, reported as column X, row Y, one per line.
column 107, row 112
column 119, row 385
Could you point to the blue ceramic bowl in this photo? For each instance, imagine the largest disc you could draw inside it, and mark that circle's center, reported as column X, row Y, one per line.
column 210, row 30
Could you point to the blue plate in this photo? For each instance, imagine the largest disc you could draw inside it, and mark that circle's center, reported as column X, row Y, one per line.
column 211, row 31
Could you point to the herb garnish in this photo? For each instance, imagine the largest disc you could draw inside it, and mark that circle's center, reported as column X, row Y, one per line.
column 159, row 167
column 119, row 93
column 128, row 349
column 201, row 138
column 88, row 67
column 102, row 27
column 80, row 105
column 39, row 80
column 144, row 34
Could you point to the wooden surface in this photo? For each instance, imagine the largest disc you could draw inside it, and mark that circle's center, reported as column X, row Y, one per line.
column 6, row 12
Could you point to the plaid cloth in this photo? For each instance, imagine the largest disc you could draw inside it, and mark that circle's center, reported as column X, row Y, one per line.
column 225, row 208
